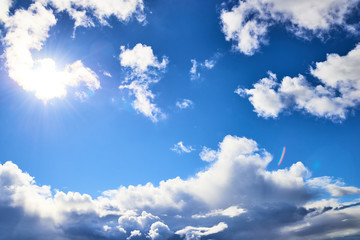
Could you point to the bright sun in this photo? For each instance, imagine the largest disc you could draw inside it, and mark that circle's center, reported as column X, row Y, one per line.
column 46, row 81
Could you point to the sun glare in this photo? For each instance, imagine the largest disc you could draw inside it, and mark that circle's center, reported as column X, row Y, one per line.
column 46, row 81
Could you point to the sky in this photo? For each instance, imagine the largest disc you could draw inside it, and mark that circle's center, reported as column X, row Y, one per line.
column 149, row 119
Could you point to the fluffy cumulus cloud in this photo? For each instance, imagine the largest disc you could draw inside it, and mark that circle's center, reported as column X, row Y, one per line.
column 181, row 148
column 26, row 32
column 198, row 67
column 247, row 23
column 337, row 93
column 143, row 69
column 235, row 197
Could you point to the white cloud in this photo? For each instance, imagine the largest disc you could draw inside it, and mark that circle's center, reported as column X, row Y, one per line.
column 185, row 103
column 266, row 101
column 198, row 67
column 27, row 30
column 4, row 10
column 107, row 74
column 134, row 233
column 233, row 195
column 81, row 10
column 231, row 212
column 194, row 233
column 248, row 22
column 141, row 58
column 335, row 187
column 208, row 155
column 181, row 148
column 338, row 92
column 159, row 230
column 144, row 69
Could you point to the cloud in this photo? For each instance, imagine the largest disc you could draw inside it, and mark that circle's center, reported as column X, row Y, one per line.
column 335, row 187
column 83, row 11
column 193, row 233
column 231, row 212
column 181, row 148
column 208, row 155
column 234, row 197
column 198, row 67
column 159, row 230
column 185, row 103
column 4, row 10
column 107, row 74
column 337, row 93
column 144, row 69
column 27, row 30
column 247, row 23
column 134, row 234
column 266, row 101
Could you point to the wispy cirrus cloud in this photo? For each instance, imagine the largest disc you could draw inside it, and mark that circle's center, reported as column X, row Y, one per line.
column 227, row 200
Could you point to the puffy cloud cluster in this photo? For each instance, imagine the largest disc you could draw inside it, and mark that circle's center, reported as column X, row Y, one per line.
column 144, row 69
column 248, row 22
column 235, row 197
column 338, row 92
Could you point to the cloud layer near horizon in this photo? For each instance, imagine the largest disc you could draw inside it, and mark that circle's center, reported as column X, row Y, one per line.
column 230, row 199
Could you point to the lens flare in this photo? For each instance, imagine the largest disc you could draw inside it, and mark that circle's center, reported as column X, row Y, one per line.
column 282, row 156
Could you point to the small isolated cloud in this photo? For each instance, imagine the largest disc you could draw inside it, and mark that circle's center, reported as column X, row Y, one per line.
column 208, row 155
column 143, row 69
column 198, row 67
column 235, row 197
column 181, row 148
column 185, row 103
column 107, row 74
column 248, row 23
column 338, row 92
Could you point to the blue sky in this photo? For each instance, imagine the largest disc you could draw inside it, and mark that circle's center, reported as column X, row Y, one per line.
column 156, row 90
